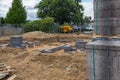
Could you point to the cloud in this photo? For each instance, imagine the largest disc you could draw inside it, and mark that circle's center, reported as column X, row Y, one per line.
column 88, row 8
column 4, row 6
column 29, row 6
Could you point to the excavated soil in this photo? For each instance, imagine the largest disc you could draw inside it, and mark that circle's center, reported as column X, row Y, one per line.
column 30, row 64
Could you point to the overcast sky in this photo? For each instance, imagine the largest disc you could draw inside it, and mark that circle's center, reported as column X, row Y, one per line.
column 31, row 12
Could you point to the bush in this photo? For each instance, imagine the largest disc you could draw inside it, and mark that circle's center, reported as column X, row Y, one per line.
column 66, row 24
column 44, row 25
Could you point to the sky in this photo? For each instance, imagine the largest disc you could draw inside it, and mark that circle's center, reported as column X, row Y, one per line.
column 88, row 7
column 31, row 12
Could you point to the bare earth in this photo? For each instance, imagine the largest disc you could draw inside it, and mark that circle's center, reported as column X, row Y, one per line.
column 30, row 64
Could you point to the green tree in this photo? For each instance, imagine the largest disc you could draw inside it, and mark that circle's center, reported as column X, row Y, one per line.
column 61, row 10
column 87, row 20
column 1, row 20
column 78, row 17
column 17, row 13
column 44, row 24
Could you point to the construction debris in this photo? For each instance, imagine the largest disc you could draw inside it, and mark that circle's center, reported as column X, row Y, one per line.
column 3, row 75
column 4, row 45
column 12, row 77
column 5, row 71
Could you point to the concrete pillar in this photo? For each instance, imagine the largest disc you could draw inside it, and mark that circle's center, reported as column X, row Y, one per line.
column 107, row 17
column 103, row 60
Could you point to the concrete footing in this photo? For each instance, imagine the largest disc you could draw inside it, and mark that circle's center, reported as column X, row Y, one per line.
column 64, row 40
column 103, row 60
column 30, row 44
column 81, row 45
column 100, row 38
column 52, row 50
column 67, row 48
column 16, row 41
column 23, row 46
column 25, row 42
column 37, row 43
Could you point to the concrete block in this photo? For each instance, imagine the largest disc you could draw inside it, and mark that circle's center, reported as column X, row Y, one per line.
column 23, row 46
column 37, row 43
column 67, row 48
column 73, row 49
column 46, row 51
column 81, row 45
column 16, row 41
column 30, row 44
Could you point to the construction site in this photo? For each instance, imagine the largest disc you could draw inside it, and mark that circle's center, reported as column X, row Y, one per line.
column 91, row 55
column 31, row 64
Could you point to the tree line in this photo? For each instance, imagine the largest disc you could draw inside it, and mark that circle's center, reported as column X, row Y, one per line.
column 61, row 11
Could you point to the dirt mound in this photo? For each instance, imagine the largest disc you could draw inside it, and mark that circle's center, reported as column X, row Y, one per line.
column 37, row 34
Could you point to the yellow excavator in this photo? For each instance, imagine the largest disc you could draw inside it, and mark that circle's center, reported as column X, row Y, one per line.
column 66, row 29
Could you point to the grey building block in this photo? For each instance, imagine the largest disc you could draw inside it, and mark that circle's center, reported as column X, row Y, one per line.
column 23, row 46
column 37, row 43
column 16, row 41
column 67, row 48
column 30, row 44
column 81, row 45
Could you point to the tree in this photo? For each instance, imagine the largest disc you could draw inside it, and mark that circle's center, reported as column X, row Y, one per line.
column 87, row 20
column 1, row 20
column 44, row 24
column 78, row 17
column 61, row 10
column 17, row 13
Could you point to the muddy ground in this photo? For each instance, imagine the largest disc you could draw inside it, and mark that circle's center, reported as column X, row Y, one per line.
column 30, row 64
